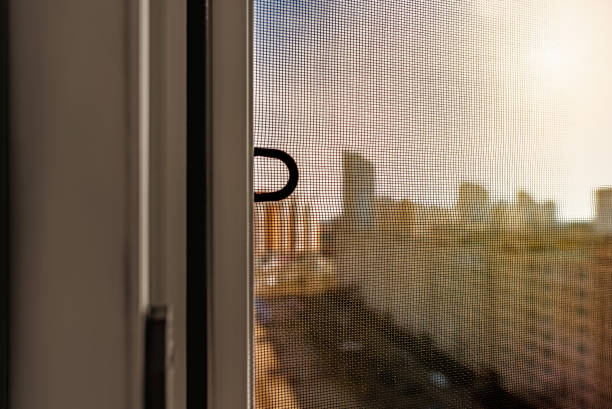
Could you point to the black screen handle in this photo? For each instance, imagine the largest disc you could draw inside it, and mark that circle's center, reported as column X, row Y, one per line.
column 293, row 175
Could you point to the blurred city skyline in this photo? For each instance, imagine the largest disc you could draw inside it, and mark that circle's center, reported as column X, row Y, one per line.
column 428, row 257
column 506, row 95
column 503, row 304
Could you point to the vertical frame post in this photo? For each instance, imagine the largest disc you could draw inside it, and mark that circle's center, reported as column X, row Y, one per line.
column 4, row 209
column 220, row 200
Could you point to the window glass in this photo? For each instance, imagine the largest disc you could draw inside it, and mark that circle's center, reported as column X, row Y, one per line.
column 449, row 241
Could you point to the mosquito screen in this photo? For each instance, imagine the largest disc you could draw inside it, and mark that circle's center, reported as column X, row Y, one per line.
column 449, row 242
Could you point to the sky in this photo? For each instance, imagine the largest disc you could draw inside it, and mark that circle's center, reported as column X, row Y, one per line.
column 513, row 95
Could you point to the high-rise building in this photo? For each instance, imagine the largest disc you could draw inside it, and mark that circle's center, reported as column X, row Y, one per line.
column 282, row 231
column 272, row 227
column 307, row 225
column 603, row 210
column 359, row 188
column 473, row 203
column 547, row 213
column 602, row 324
column 292, row 227
column 543, row 318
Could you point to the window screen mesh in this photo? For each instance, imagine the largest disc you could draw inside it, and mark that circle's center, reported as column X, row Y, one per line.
column 449, row 244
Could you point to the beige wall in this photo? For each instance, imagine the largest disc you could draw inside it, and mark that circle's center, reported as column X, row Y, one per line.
column 75, row 319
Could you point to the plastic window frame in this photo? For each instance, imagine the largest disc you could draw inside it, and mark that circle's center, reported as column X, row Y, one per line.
column 219, row 204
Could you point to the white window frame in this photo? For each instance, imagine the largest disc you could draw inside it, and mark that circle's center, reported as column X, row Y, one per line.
column 231, row 196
